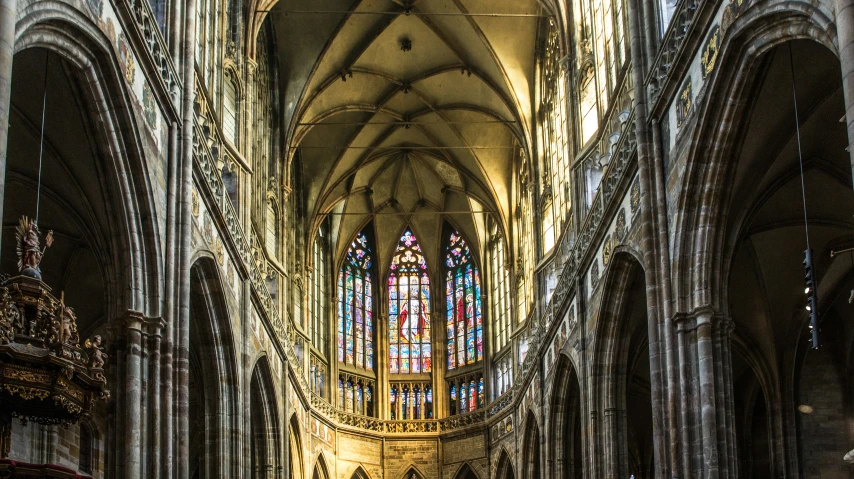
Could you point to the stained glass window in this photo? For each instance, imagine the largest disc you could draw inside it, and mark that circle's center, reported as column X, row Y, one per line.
column 462, row 301
column 466, row 394
column 355, row 394
column 556, row 200
column 355, row 307
column 499, row 292
column 409, row 309
column 318, row 298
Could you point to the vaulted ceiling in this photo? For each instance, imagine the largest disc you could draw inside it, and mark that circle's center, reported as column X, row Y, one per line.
column 408, row 113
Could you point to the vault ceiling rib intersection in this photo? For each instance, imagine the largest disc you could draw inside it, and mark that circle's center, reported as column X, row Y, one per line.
column 414, row 116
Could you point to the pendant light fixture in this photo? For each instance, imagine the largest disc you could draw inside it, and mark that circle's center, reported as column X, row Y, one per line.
column 811, row 283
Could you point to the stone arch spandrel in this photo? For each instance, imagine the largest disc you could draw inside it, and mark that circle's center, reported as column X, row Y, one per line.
column 703, row 187
column 134, row 234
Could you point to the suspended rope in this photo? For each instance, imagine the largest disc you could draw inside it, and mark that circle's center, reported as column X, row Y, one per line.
column 811, row 290
column 798, row 135
column 41, row 142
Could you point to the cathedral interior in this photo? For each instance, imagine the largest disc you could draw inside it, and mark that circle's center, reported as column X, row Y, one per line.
column 426, row 239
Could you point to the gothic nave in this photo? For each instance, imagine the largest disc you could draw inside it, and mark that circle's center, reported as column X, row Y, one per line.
column 426, row 239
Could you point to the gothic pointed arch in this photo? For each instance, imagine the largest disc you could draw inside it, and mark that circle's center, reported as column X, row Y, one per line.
column 412, row 473
column 465, row 472
column 464, row 316
column 531, row 467
column 360, row 473
column 321, row 471
column 295, row 461
column 565, row 442
column 504, row 470
column 264, row 440
column 622, row 372
column 212, row 404
column 356, row 286
column 409, row 325
column 114, row 208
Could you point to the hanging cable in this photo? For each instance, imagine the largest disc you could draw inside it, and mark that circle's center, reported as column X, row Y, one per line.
column 809, row 269
column 798, row 135
column 41, row 142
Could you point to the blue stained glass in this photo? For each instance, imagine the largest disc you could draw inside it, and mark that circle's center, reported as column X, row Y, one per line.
column 463, row 309
column 355, row 306
column 409, row 311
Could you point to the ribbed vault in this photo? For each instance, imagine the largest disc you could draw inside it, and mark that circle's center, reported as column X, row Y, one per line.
column 414, row 116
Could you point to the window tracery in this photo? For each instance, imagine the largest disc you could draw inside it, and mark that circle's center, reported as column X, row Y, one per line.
column 463, row 304
column 355, row 306
column 499, row 291
column 229, row 107
column 525, row 258
column 317, row 298
column 467, row 393
column 410, row 349
column 556, row 201
column 356, row 394
column 503, row 375
column 411, row 400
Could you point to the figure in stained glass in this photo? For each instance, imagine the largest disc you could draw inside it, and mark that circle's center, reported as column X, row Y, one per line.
column 355, row 306
column 463, row 297
column 409, row 309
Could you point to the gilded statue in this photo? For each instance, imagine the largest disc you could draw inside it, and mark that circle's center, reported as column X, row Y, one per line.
column 67, row 322
column 97, row 356
column 29, row 252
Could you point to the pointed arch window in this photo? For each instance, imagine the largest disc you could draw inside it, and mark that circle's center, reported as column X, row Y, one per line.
column 463, row 304
column 356, row 306
column 230, row 102
column 318, row 302
column 409, row 309
column 556, row 201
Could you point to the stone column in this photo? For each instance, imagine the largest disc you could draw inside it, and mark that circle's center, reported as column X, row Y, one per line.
column 845, row 34
column 706, row 388
column 156, row 326
column 133, row 392
column 708, row 423
column 8, row 16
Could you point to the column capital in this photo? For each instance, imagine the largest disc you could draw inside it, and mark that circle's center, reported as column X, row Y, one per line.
column 699, row 316
column 154, row 326
column 131, row 321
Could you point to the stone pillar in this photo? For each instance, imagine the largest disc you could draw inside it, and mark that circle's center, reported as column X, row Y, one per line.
column 708, row 424
column 8, row 16
column 845, row 34
column 611, row 441
column 133, row 389
column 155, row 330
column 708, row 432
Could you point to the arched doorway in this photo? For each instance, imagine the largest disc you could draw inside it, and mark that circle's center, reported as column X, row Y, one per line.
column 295, row 461
column 321, row 471
column 622, row 373
column 264, row 444
column 82, row 190
column 566, row 444
column 505, row 467
column 211, row 407
column 465, row 472
column 784, row 392
column 531, row 448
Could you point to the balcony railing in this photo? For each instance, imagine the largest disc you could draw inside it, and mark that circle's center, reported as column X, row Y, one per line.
column 669, row 50
column 208, row 145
